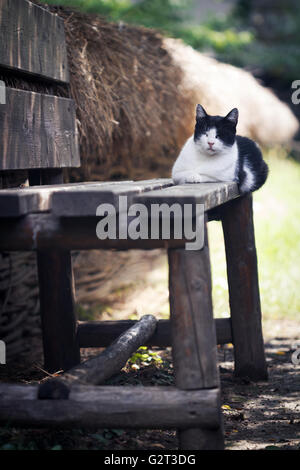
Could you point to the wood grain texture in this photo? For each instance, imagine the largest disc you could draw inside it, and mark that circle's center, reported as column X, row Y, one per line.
column 194, row 336
column 99, row 368
column 209, row 194
column 83, row 202
column 238, row 228
column 96, row 334
column 56, row 285
column 110, row 407
column 193, row 329
column 82, row 199
column 42, row 231
column 16, row 202
column 32, row 40
column 37, row 131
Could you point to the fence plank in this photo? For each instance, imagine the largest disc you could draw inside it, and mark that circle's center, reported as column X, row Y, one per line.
column 32, row 40
column 37, row 131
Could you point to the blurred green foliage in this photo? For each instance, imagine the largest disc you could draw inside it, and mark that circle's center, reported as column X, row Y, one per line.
column 160, row 14
column 262, row 35
column 275, row 29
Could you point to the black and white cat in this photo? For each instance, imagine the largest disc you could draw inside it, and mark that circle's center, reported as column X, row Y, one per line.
column 216, row 153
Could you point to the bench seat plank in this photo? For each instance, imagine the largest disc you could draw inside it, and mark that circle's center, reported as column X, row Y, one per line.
column 83, row 202
column 82, row 199
column 209, row 194
column 16, row 202
column 70, row 200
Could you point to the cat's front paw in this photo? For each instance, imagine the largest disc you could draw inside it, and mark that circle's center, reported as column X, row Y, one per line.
column 191, row 178
column 194, row 179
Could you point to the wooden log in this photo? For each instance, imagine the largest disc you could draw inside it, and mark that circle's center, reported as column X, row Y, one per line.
column 56, row 284
column 49, row 140
column 110, row 407
column 32, row 40
column 101, row 367
column 193, row 334
column 94, row 334
column 237, row 221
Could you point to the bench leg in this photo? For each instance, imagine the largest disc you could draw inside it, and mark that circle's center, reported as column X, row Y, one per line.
column 56, row 286
column 238, row 229
column 194, row 336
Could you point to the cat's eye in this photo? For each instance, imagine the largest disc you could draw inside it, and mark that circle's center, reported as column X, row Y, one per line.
column 217, row 136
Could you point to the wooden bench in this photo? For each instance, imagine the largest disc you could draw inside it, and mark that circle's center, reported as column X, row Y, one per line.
column 38, row 133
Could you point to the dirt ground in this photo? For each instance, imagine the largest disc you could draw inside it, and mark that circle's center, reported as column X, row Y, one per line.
column 256, row 416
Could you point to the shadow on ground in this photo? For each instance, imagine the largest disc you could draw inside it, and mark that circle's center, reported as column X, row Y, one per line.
column 256, row 416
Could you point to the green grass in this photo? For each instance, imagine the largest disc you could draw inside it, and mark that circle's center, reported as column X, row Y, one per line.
column 277, row 231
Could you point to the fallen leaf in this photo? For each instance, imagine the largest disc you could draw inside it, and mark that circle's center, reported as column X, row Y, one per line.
column 226, row 407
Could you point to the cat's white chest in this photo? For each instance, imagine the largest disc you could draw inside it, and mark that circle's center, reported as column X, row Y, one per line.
column 192, row 166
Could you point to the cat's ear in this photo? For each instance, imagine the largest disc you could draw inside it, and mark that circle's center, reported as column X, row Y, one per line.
column 200, row 112
column 233, row 116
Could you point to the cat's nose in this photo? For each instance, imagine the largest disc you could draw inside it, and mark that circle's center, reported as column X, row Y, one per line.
column 211, row 144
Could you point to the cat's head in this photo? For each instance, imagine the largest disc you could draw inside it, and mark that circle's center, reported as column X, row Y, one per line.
column 215, row 134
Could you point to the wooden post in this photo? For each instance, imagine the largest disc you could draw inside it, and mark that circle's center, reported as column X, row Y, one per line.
column 238, row 229
column 194, row 335
column 56, row 285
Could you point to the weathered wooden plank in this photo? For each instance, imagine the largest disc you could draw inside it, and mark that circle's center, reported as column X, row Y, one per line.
column 83, row 203
column 95, row 334
column 42, row 231
column 56, row 285
column 82, row 199
column 238, row 228
column 32, row 40
column 99, row 368
column 110, row 407
column 15, row 202
column 209, row 194
column 37, row 131
column 194, row 335
column 193, row 330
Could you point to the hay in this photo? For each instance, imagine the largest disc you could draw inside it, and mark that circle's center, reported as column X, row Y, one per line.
column 220, row 87
column 131, row 116
column 136, row 92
